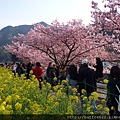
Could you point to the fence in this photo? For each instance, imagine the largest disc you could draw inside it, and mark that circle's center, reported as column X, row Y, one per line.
column 101, row 87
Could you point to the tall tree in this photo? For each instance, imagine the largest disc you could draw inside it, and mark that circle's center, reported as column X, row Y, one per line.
column 108, row 20
column 61, row 43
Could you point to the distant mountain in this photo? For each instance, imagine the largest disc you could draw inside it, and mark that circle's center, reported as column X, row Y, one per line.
column 7, row 34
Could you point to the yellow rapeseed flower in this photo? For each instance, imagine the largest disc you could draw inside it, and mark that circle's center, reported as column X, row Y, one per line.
column 6, row 112
column 4, row 85
column 88, row 109
column 70, row 87
column 89, row 102
column 95, row 95
column 11, row 111
column 71, row 97
column 33, row 77
column 31, row 72
column 48, row 85
column 69, row 103
column 91, row 113
column 51, row 91
column 1, row 89
column 0, row 100
column 8, row 107
column 74, row 90
column 55, row 88
column 84, row 105
column 55, row 78
column 105, row 81
column 47, row 109
column 16, row 97
column 88, row 105
column 23, row 76
column 26, row 110
column 2, row 107
column 50, row 99
column 76, row 99
column 100, row 107
column 64, row 81
column 112, row 108
column 69, row 110
column 61, row 89
column 18, row 106
column 59, row 93
column 91, row 106
column 84, row 98
column 106, row 109
column 56, row 104
column 83, row 91
column 44, row 88
column 103, row 101
column 4, row 103
column 8, row 98
column 90, row 97
column 38, row 111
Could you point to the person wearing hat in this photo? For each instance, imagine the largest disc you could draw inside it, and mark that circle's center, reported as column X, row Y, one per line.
column 38, row 72
column 86, row 78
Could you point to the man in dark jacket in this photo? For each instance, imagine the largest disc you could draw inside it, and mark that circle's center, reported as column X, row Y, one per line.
column 113, row 87
column 113, row 93
column 29, row 68
column 50, row 74
column 86, row 78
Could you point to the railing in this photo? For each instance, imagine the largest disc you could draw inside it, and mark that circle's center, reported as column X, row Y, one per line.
column 101, row 87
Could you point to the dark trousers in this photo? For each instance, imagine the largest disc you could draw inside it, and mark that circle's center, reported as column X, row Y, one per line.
column 40, row 85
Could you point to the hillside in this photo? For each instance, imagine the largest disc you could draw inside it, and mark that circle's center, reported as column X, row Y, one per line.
column 6, row 36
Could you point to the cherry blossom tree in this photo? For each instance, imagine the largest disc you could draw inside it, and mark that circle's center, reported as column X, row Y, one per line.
column 27, row 53
column 62, row 43
column 107, row 21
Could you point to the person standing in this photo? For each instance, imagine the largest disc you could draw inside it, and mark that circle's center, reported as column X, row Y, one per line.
column 19, row 69
column 55, row 72
column 72, row 76
column 38, row 72
column 113, row 86
column 99, row 69
column 52, row 74
column 86, row 78
column 14, row 68
column 29, row 68
column 48, row 70
column 49, row 73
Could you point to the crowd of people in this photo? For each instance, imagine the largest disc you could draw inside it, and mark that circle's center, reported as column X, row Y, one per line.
column 80, row 77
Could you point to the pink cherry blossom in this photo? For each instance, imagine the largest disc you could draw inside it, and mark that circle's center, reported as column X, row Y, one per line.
column 63, row 43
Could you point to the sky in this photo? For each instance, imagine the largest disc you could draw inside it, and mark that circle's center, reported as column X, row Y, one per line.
column 21, row 12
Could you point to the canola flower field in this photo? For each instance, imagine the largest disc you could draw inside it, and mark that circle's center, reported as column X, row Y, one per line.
column 21, row 96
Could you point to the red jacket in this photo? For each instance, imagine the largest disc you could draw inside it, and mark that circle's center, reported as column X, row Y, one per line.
column 38, row 71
